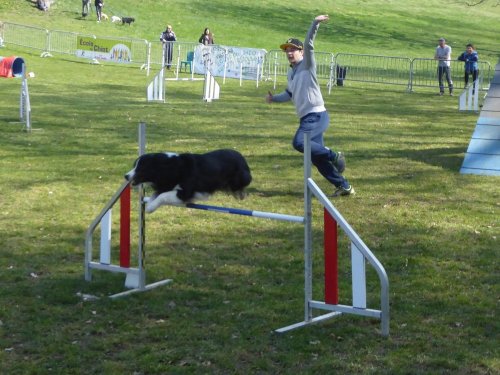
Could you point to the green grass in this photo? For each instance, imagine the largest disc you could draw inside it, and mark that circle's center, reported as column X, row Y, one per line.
column 237, row 279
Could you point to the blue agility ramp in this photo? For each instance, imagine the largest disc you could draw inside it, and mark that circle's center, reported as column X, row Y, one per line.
column 483, row 154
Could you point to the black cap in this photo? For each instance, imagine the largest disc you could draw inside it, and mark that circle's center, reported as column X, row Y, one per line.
column 292, row 42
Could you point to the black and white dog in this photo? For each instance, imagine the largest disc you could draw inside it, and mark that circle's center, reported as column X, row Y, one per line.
column 184, row 178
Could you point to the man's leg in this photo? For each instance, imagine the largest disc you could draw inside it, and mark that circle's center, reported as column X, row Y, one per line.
column 169, row 55
column 448, row 79
column 321, row 156
column 440, row 79
column 474, row 78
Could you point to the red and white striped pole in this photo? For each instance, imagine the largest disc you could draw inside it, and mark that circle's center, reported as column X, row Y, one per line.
column 125, row 228
column 331, row 259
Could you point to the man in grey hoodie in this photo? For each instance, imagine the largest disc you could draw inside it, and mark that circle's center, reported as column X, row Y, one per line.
column 303, row 89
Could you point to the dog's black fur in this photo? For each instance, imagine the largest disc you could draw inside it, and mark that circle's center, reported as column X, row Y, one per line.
column 128, row 20
column 184, row 178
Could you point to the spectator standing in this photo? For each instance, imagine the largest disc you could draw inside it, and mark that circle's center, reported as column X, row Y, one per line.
column 470, row 58
column 98, row 9
column 168, row 38
column 85, row 8
column 207, row 37
column 443, row 55
column 303, row 89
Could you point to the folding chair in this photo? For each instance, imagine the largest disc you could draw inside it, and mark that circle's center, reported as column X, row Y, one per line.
column 188, row 62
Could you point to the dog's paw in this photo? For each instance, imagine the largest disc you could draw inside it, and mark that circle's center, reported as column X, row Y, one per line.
column 201, row 197
column 169, row 198
column 240, row 194
column 150, row 207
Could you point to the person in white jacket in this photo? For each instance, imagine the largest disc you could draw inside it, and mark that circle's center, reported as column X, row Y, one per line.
column 304, row 91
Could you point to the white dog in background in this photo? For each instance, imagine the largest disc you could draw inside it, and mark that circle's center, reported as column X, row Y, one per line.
column 104, row 16
column 116, row 19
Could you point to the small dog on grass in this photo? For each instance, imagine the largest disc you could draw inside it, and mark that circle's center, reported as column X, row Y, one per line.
column 128, row 20
column 115, row 19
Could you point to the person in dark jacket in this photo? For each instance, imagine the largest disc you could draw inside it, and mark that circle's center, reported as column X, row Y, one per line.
column 207, row 37
column 168, row 38
column 470, row 58
column 98, row 9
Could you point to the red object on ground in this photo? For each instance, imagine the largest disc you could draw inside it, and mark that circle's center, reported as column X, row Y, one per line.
column 11, row 66
column 331, row 259
column 125, row 228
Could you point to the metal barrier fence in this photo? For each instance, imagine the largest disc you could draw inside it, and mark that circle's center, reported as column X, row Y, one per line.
column 276, row 64
column 24, row 36
column 180, row 51
column 389, row 70
column 62, row 42
column 331, row 69
column 375, row 69
column 424, row 73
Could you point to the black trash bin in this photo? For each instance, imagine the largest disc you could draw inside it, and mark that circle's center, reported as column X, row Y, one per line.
column 341, row 72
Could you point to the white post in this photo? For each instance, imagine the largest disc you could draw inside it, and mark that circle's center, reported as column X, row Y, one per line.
column 258, row 76
column 105, row 248
column 178, row 59
column 241, row 74
column 308, row 313
column 275, row 70
column 156, row 88
column 24, row 101
column 225, row 66
column 358, row 278
column 330, row 78
column 211, row 89
column 142, row 223
column 148, row 62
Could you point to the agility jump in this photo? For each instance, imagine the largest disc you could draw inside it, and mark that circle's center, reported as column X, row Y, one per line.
column 135, row 276
column 360, row 253
column 156, row 88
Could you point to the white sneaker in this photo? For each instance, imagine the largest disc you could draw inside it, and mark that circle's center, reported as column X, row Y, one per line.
column 340, row 191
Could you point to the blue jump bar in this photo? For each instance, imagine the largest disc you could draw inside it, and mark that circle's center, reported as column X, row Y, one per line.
column 237, row 211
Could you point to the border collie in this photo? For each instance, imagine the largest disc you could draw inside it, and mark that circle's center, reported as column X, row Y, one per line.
column 128, row 20
column 184, row 178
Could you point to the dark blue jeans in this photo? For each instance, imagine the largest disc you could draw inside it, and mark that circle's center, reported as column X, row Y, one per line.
column 474, row 76
column 321, row 156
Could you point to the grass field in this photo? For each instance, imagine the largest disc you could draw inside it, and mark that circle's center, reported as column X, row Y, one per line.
column 236, row 279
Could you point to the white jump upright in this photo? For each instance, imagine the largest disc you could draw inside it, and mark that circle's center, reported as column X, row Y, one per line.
column 156, row 88
column 105, row 248
column 24, row 102
column 360, row 254
column 211, row 89
column 469, row 98
column 135, row 276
